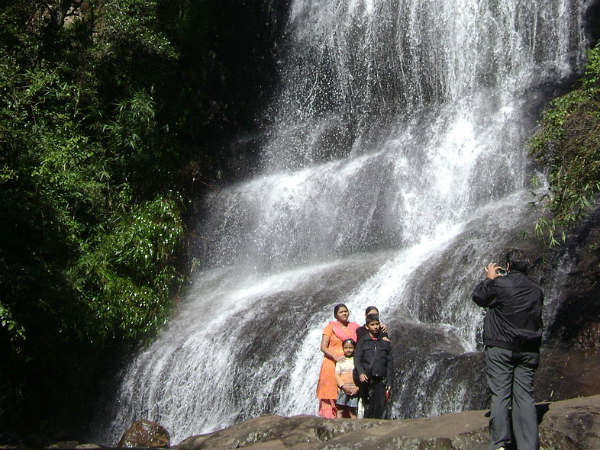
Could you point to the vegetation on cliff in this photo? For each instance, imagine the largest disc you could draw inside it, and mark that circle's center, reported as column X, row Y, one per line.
column 106, row 106
column 568, row 145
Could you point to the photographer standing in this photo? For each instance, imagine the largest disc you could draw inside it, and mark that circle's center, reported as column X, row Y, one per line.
column 512, row 334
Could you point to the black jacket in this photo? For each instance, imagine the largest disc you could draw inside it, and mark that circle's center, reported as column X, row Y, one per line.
column 374, row 358
column 514, row 317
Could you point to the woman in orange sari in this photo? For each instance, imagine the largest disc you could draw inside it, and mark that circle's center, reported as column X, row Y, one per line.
column 336, row 332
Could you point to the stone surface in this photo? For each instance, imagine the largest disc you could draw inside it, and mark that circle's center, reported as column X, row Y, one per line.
column 570, row 360
column 567, row 425
column 578, row 310
column 64, row 444
column 144, row 433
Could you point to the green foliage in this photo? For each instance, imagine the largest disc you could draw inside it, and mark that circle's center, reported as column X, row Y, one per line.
column 568, row 144
column 133, row 123
column 592, row 72
column 106, row 111
column 125, row 273
column 88, row 238
column 16, row 331
column 131, row 25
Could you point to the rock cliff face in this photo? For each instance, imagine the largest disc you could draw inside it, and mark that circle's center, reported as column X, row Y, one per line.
column 571, row 356
column 578, row 313
column 567, row 425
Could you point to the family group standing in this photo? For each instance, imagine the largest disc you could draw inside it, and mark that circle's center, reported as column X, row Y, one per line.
column 357, row 366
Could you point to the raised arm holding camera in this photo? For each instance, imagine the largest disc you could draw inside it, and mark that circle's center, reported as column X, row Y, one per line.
column 512, row 334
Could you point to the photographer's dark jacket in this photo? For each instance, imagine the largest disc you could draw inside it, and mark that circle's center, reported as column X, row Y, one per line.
column 373, row 357
column 514, row 317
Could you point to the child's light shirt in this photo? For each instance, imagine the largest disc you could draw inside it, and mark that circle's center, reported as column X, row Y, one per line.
column 343, row 369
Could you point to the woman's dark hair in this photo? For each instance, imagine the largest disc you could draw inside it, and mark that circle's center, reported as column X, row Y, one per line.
column 369, row 308
column 349, row 340
column 337, row 307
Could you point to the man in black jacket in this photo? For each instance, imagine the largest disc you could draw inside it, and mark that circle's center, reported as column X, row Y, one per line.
column 374, row 365
column 512, row 334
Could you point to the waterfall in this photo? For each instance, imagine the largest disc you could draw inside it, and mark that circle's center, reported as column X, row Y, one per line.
column 394, row 167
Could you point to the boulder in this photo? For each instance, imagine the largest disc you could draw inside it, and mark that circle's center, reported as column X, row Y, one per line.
column 278, row 432
column 567, row 425
column 144, row 433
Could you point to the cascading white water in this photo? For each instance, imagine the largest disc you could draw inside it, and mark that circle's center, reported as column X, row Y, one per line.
column 396, row 148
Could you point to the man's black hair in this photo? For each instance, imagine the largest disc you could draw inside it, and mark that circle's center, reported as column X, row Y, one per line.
column 519, row 260
column 371, row 318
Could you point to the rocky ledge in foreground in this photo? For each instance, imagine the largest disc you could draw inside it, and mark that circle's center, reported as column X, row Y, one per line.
column 566, row 425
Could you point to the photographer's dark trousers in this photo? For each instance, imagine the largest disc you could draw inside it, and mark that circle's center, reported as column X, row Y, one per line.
column 373, row 397
column 510, row 378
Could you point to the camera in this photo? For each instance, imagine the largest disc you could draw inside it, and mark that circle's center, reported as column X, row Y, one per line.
column 501, row 271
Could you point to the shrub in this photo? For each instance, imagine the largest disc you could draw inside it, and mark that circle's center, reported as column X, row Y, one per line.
column 568, row 145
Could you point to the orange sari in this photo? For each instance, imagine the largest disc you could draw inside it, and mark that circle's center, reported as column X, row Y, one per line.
column 327, row 390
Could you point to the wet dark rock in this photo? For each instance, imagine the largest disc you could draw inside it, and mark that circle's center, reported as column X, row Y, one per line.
column 424, row 338
column 467, row 369
column 144, row 433
column 566, row 372
column 569, row 425
column 577, row 321
column 571, row 354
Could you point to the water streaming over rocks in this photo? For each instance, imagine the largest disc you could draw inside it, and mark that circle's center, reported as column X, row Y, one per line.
column 394, row 167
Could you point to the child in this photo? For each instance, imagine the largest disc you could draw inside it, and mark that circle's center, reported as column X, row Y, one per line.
column 347, row 400
column 362, row 331
column 374, row 365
